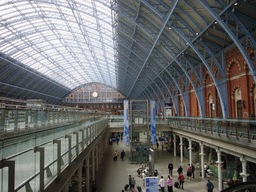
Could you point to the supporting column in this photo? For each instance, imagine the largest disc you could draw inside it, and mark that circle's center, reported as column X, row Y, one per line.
column 54, row 117
column 69, row 148
column 169, row 141
column 181, row 149
column 190, row 150
column 87, row 138
column 35, row 118
column 41, row 173
column 244, row 174
column 90, row 137
column 87, row 167
column 219, row 162
column 82, row 143
column 174, row 145
column 97, row 157
column 58, row 116
column 79, row 174
column 11, row 173
column 2, row 122
column 47, row 117
column 26, row 119
column 77, row 147
column 202, row 158
column 58, row 142
column 16, row 120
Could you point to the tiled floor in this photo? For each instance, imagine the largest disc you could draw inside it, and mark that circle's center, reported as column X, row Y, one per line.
column 115, row 173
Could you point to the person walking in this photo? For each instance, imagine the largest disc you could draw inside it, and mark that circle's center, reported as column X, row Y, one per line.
column 133, row 183
column 122, row 155
column 193, row 170
column 170, row 167
column 189, row 171
column 161, row 183
column 180, row 169
column 115, row 156
column 209, row 186
column 169, row 184
column 181, row 180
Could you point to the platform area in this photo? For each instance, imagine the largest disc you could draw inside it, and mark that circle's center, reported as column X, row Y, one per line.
column 114, row 175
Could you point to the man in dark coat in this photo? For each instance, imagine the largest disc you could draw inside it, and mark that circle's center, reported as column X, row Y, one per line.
column 122, row 155
column 170, row 167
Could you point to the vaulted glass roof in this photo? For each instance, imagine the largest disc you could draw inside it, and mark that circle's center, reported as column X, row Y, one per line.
column 70, row 42
column 145, row 49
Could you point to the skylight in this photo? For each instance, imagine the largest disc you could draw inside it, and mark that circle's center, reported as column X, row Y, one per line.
column 68, row 41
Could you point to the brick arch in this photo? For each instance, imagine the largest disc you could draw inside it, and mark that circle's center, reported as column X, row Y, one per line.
column 206, row 77
column 230, row 64
column 234, row 90
column 208, row 95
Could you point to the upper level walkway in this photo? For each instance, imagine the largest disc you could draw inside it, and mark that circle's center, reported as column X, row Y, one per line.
column 37, row 157
column 233, row 136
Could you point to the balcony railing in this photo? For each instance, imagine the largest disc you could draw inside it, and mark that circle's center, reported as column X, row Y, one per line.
column 229, row 127
column 60, row 147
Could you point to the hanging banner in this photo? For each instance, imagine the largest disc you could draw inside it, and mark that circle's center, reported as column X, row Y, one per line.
column 126, row 122
column 153, row 121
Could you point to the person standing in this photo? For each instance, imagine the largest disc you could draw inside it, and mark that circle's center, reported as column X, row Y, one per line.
column 130, row 182
column 169, row 184
column 209, row 186
column 133, row 183
column 189, row 171
column 115, row 156
column 170, row 167
column 122, row 155
column 144, row 178
column 180, row 169
column 181, row 180
column 193, row 170
column 161, row 183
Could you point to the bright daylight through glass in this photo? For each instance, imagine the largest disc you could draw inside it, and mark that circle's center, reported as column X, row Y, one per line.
column 70, row 42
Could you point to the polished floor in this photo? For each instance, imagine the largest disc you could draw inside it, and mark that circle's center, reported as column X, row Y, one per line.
column 114, row 175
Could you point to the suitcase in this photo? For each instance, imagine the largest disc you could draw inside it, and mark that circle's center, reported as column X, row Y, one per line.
column 126, row 187
column 176, row 184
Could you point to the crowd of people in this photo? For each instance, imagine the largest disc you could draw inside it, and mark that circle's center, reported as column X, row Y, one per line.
column 169, row 183
column 143, row 172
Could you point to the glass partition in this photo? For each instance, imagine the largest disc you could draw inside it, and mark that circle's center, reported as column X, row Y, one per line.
column 22, row 150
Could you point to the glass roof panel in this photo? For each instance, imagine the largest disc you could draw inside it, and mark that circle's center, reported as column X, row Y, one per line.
column 67, row 41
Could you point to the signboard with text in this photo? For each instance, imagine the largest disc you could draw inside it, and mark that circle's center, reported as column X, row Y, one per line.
column 151, row 184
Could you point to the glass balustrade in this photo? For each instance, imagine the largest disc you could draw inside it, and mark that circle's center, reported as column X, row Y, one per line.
column 24, row 150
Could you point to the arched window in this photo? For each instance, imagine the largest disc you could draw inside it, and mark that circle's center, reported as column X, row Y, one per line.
column 95, row 93
column 211, row 106
column 238, row 103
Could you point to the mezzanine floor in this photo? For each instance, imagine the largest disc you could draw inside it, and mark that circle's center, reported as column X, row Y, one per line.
column 115, row 174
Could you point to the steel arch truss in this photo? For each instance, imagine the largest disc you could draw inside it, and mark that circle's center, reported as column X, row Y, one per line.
column 178, row 40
